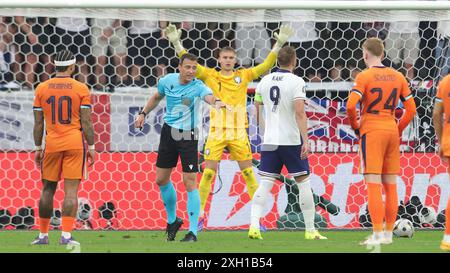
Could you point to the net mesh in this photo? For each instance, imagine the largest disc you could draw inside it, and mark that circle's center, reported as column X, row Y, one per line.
column 121, row 60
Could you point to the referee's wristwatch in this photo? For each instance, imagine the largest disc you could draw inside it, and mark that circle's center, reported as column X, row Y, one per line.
column 142, row 113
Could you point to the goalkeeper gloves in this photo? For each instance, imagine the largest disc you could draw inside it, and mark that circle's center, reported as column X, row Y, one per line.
column 173, row 35
column 285, row 33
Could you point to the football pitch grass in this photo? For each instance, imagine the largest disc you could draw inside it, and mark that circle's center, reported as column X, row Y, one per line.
column 217, row 242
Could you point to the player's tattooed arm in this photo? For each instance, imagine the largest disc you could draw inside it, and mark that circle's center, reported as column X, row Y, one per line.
column 38, row 130
column 88, row 131
column 38, row 133
column 86, row 125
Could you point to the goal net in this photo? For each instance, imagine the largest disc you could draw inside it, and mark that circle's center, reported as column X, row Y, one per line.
column 122, row 52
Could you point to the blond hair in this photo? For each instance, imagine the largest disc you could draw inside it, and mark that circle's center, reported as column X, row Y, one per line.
column 374, row 46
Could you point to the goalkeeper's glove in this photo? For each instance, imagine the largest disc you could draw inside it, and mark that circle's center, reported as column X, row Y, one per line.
column 174, row 34
column 285, row 33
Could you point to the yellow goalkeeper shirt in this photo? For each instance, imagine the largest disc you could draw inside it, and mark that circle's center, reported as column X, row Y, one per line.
column 232, row 90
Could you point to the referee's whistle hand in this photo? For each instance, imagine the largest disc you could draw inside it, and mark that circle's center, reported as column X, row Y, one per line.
column 139, row 123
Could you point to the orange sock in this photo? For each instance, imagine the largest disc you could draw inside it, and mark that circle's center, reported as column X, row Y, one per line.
column 447, row 218
column 391, row 205
column 44, row 225
column 375, row 205
column 67, row 223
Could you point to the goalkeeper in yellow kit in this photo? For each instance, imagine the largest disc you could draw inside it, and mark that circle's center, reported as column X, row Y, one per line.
column 228, row 126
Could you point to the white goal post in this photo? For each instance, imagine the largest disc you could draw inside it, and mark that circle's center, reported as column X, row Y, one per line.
column 235, row 10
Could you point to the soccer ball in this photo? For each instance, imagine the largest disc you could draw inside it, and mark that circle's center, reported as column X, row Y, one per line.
column 403, row 228
column 55, row 220
column 84, row 209
column 427, row 215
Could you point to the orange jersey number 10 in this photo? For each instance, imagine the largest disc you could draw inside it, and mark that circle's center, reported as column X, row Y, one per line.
column 62, row 101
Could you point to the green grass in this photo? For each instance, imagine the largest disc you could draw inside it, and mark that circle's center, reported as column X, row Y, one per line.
column 217, row 242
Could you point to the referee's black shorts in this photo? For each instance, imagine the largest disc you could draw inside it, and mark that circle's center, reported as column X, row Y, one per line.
column 174, row 143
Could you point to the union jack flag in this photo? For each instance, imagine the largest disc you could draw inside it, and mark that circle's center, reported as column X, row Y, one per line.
column 327, row 121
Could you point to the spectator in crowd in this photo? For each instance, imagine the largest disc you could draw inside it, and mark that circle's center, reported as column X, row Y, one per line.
column 313, row 75
column 343, row 42
column 109, row 35
column 335, row 73
column 27, row 45
column 442, row 54
column 29, row 48
column 425, row 65
column 310, row 49
column 32, row 37
column 146, row 46
column 160, row 71
column 252, row 41
column 73, row 34
column 402, row 45
column 354, row 71
column 7, row 56
column 199, row 37
column 222, row 35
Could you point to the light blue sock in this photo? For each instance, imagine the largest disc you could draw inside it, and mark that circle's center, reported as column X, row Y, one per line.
column 193, row 208
column 169, row 197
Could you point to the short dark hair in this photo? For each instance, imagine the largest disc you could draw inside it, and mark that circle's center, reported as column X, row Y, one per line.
column 227, row 49
column 286, row 55
column 188, row 56
column 62, row 56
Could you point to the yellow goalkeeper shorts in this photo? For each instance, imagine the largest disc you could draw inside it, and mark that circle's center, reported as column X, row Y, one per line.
column 235, row 140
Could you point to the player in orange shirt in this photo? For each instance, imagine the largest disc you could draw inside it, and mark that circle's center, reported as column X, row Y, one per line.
column 379, row 88
column 65, row 105
column 442, row 128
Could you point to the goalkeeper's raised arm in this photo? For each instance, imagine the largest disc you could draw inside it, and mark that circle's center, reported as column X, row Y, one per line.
column 174, row 36
column 281, row 38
